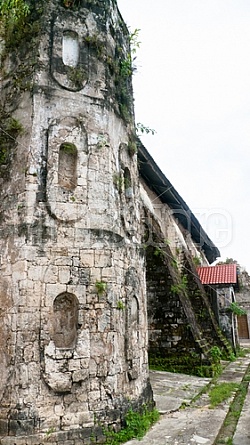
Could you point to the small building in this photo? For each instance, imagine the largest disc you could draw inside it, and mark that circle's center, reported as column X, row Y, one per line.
column 221, row 282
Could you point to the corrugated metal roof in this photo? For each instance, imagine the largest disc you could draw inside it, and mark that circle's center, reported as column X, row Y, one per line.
column 221, row 274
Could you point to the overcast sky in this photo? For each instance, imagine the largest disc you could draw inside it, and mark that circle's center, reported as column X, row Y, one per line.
column 192, row 86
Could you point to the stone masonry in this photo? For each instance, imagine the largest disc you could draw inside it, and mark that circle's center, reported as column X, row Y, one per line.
column 96, row 248
column 73, row 330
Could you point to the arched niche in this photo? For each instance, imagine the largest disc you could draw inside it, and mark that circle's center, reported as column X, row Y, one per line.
column 65, row 320
column 67, row 174
column 70, row 49
column 132, row 330
column 134, row 313
column 128, row 184
column 69, row 61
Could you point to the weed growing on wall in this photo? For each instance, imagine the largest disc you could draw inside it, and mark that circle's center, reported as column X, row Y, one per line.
column 196, row 261
column 11, row 128
column 187, row 364
column 120, row 305
column 137, row 424
column 118, row 181
column 180, row 287
column 11, row 13
column 101, row 287
column 69, row 148
column 77, row 76
column 132, row 148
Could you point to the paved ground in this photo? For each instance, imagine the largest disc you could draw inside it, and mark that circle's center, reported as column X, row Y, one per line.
column 173, row 390
column 197, row 424
column 242, row 433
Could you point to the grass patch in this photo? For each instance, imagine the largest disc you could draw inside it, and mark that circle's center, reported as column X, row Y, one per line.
column 242, row 352
column 229, row 426
column 136, row 425
column 221, row 392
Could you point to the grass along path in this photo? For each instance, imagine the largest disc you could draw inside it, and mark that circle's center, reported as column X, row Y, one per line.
column 228, row 428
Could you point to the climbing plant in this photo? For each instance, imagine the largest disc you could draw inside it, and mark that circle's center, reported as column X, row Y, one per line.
column 10, row 129
column 181, row 286
column 11, row 12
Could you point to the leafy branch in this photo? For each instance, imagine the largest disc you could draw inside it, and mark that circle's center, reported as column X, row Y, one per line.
column 142, row 129
column 134, row 42
column 236, row 309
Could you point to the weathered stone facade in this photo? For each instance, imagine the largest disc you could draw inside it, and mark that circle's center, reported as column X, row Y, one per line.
column 73, row 293
column 182, row 321
column 85, row 236
column 223, row 296
column 243, row 299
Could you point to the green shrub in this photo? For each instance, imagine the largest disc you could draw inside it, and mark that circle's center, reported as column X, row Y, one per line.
column 236, row 309
column 136, row 425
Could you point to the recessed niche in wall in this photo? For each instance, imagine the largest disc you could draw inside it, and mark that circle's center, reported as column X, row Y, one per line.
column 133, row 323
column 70, row 48
column 134, row 312
column 69, row 61
column 65, row 320
column 128, row 184
column 67, row 165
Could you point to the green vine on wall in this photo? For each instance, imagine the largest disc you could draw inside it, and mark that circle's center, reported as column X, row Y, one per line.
column 19, row 26
column 19, row 21
column 12, row 11
column 11, row 128
column 69, row 148
column 94, row 42
column 197, row 261
column 180, row 287
column 101, row 287
column 76, row 75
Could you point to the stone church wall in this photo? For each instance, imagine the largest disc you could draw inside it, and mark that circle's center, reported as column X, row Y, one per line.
column 175, row 235
column 181, row 322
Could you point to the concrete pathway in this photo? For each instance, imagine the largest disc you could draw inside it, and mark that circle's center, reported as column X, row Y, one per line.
column 197, row 424
column 242, row 433
column 172, row 390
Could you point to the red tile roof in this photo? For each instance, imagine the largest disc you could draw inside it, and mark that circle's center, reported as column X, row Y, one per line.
column 222, row 274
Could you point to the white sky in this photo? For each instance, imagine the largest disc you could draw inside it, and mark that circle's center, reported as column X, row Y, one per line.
column 192, row 86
